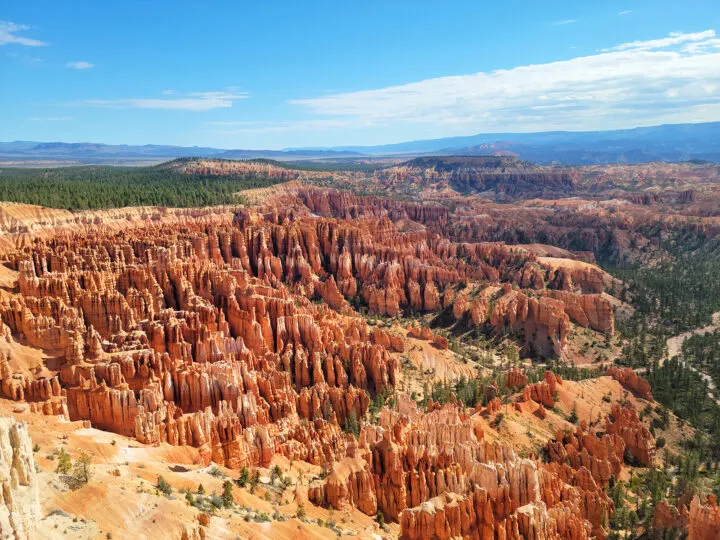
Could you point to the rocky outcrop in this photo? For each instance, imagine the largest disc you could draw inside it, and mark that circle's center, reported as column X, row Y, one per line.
column 438, row 477
column 515, row 379
column 208, row 334
column 632, row 381
column 543, row 392
column 542, row 322
column 639, row 442
column 601, row 456
column 704, row 519
column 454, row 516
column 19, row 499
column 667, row 517
column 425, row 333
column 588, row 310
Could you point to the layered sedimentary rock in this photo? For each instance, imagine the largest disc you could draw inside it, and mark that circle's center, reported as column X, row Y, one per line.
column 437, row 475
column 207, row 334
column 543, row 392
column 601, row 457
column 667, row 516
column 240, row 334
column 587, row 310
column 632, row 381
column 506, row 176
column 704, row 519
column 639, row 442
column 19, row 498
column 515, row 379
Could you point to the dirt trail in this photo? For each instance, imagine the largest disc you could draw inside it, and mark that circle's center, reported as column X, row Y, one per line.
column 674, row 346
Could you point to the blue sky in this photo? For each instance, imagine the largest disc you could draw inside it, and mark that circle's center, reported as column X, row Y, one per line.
column 279, row 74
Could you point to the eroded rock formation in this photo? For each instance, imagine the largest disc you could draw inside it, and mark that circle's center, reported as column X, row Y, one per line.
column 240, row 334
column 19, row 498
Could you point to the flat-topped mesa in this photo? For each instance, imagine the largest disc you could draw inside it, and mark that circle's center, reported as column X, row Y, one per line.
column 506, row 176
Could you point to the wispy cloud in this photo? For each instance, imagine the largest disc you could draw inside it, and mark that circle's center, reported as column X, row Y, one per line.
column 24, row 57
column 52, row 118
column 79, row 65
column 675, row 38
column 566, row 21
column 625, row 12
column 9, row 31
column 196, row 101
column 672, row 78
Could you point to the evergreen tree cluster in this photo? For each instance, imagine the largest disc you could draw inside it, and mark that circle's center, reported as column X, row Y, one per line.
column 98, row 187
column 703, row 352
column 686, row 393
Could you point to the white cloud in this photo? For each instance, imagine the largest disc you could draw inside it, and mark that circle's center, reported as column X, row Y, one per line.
column 566, row 21
column 52, row 119
column 79, row 65
column 675, row 38
column 8, row 31
column 196, row 101
column 638, row 83
column 625, row 12
column 167, row 92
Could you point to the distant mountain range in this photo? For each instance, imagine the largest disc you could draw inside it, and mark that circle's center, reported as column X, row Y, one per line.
column 675, row 142
column 91, row 152
column 672, row 142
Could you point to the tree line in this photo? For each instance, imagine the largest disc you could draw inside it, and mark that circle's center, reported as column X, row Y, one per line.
column 99, row 187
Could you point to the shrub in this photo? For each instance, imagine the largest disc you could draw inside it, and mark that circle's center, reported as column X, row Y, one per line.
column 573, row 418
column 217, row 473
column 498, row 420
column 82, row 470
column 275, row 472
column 64, row 464
column 351, row 424
column 216, row 501
column 254, row 480
column 244, row 477
column 227, row 496
column 163, row 486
